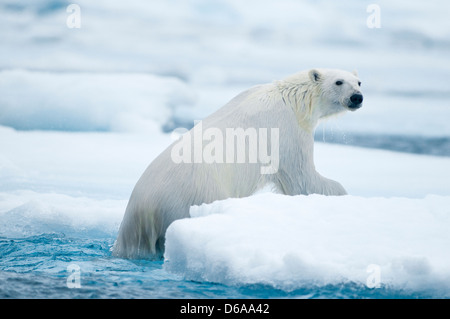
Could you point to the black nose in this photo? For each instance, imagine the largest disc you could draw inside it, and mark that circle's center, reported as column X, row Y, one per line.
column 356, row 98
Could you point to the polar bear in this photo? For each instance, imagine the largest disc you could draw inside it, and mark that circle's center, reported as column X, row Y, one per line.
column 191, row 172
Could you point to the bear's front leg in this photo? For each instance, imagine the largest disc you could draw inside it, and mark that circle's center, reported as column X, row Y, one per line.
column 325, row 186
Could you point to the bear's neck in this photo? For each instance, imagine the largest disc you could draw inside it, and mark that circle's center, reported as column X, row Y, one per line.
column 301, row 97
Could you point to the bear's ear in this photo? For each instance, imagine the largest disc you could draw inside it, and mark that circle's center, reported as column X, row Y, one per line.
column 314, row 75
column 355, row 73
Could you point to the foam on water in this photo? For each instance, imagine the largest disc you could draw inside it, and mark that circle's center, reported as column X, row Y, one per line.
column 47, row 213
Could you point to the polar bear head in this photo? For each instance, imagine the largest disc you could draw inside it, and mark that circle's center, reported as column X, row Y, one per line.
column 320, row 93
column 338, row 89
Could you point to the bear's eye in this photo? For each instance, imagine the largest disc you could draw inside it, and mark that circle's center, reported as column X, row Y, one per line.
column 338, row 82
column 359, row 83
